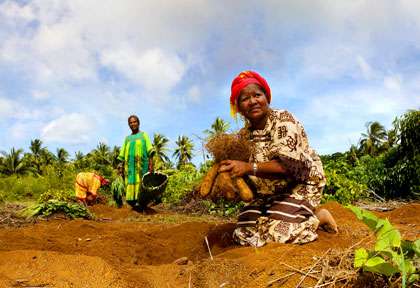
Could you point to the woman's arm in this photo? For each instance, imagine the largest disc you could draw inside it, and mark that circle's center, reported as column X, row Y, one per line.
column 240, row 168
column 150, row 164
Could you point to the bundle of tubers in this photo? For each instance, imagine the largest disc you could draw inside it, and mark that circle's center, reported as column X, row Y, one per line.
column 223, row 147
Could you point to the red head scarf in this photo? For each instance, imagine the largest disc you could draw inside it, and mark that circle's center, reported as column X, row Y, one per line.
column 240, row 82
column 102, row 179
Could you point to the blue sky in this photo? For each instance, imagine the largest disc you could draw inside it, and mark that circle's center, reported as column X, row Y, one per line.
column 72, row 71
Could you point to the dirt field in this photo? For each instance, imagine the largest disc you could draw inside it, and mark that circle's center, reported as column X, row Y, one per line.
column 127, row 249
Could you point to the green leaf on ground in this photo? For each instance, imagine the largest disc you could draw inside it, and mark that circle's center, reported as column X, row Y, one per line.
column 367, row 217
column 360, row 257
column 377, row 264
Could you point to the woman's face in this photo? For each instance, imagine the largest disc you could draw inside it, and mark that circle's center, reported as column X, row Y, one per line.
column 134, row 124
column 252, row 103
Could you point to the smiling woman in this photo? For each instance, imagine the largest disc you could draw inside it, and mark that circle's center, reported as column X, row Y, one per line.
column 286, row 172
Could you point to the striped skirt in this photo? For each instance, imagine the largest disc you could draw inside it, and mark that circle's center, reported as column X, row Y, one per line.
column 281, row 219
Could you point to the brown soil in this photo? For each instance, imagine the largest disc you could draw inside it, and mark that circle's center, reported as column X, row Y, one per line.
column 128, row 249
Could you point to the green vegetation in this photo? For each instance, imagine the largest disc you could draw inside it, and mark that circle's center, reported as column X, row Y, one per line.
column 181, row 182
column 391, row 255
column 218, row 126
column 159, row 152
column 118, row 190
column 72, row 210
column 184, row 150
column 385, row 163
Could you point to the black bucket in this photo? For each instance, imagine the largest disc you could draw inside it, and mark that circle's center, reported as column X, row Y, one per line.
column 153, row 184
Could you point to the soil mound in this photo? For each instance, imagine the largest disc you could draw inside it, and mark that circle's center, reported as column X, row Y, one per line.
column 123, row 248
column 24, row 268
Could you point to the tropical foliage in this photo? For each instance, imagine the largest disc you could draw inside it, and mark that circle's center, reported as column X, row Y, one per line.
column 160, row 151
column 180, row 183
column 384, row 163
column 391, row 254
column 218, row 126
column 184, row 150
column 72, row 210
column 14, row 163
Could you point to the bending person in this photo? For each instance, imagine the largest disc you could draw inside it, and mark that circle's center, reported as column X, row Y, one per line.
column 87, row 185
column 285, row 171
column 136, row 162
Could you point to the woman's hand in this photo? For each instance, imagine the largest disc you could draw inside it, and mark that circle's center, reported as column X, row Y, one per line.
column 235, row 168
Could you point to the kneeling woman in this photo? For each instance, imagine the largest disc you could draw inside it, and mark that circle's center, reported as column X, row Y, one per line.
column 286, row 172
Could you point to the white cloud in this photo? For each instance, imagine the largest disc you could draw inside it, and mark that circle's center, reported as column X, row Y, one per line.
column 194, row 94
column 365, row 68
column 69, row 36
column 19, row 131
column 157, row 71
column 393, row 83
column 338, row 118
column 40, row 95
column 116, row 56
column 69, row 129
column 7, row 108
column 9, row 9
column 357, row 103
column 338, row 61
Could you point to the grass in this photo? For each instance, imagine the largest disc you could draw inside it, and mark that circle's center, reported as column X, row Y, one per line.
column 13, row 188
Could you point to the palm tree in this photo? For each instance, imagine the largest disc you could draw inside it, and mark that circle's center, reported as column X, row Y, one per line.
column 102, row 154
column 159, row 150
column 218, row 126
column 78, row 156
column 36, row 155
column 13, row 163
column 184, row 149
column 392, row 135
column 36, row 147
column 373, row 138
column 351, row 155
column 80, row 161
column 114, row 156
column 62, row 155
column 47, row 157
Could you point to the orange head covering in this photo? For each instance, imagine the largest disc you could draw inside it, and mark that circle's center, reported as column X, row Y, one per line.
column 240, row 82
column 103, row 180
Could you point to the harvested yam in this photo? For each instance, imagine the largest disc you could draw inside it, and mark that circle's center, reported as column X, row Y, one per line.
column 225, row 184
column 227, row 147
column 208, row 180
column 244, row 191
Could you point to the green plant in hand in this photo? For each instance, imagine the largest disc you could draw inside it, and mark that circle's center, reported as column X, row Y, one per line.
column 391, row 255
column 118, row 189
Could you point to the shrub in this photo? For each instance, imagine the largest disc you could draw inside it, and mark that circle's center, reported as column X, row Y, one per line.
column 345, row 183
column 391, row 255
column 13, row 188
column 72, row 210
column 343, row 189
column 180, row 183
column 56, row 194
